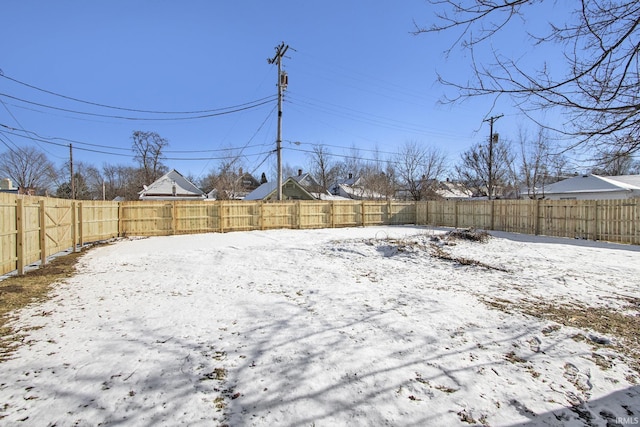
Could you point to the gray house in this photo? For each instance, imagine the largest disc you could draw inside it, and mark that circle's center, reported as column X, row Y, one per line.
column 593, row 187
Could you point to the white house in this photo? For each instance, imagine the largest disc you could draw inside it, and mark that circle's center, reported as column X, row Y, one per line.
column 593, row 187
column 172, row 186
column 352, row 188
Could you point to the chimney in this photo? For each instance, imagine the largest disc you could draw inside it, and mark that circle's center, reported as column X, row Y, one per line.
column 299, row 172
column 240, row 172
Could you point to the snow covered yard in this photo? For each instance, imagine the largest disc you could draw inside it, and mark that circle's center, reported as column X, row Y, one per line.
column 360, row 326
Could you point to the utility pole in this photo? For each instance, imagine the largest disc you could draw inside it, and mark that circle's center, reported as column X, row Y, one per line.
column 493, row 138
column 73, row 186
column 282, row 84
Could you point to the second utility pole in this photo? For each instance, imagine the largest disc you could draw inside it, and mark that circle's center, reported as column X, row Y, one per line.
column 492, row 139
column 282, row 84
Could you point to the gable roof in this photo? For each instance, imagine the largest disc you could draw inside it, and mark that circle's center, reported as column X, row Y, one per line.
column 262, row 192
column 351, row 181
column 453, row 190
column 268, row 190
column 306, row 180
column 356, row 192
column 594, row 184
column 173, row 186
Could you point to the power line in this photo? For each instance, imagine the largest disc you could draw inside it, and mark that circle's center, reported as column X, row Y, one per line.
column 352, row 157
column 41, row 138
column 7, row 145
column 135, row 110
column 345, row 147
column 227, row 110
column 22, row 127
column 129, row 155
column 363, row 117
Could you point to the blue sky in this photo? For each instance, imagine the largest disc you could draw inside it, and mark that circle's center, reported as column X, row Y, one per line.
column 357, row 78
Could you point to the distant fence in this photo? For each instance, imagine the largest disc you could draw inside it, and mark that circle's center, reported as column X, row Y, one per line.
column 33, row 228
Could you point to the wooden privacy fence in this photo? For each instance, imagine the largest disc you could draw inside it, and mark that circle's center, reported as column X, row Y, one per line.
column 33, row 228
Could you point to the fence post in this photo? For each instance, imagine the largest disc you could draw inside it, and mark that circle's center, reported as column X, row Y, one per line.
column 80, row 226
column 221, row 215
column 492, row 205
column 174, row 217
column 426, row 212
column 332, row 212
column 20, row 235
column 120, row 220
column 261, row 211
column 43, row 233
column 596, row 227
column 455, row 214
column 74, row 230
column 536, row 217
column 362, row 213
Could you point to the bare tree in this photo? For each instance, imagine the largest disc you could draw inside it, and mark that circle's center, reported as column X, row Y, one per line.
column 287, row 171
column 486, row 168
column 612, row 163
column 599, row 85
column 121, row 181
column 351, row 163
column 148, row 147
column 95, row 182
column 322, row 167
column 28, row 168
column 226, row 180
column 87, row 182
column 419, row 169
column 536, row 159
column 378, row 180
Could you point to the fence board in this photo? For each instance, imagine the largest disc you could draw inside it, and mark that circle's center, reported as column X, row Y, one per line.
column 314, row 214
column 99, row 220
column 8, row 233
column 57, row 227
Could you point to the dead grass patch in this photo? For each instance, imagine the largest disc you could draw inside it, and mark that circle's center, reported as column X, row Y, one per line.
column 436, row 247
column 439, row 253
column 606, row 321
column 601, row 321
column 17, row 292
column 514, row 358
column 470, row 234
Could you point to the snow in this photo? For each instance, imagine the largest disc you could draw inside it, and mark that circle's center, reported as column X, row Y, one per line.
column 356, row 326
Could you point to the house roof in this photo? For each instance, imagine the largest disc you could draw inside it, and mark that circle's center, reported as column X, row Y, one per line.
column 632, row 181
column 262, row 192
column 594, row 184
column 352, row 181
column 268, row 189
column 306, row 180
column 357, row 192
column 172, row 185
column 453, row 190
